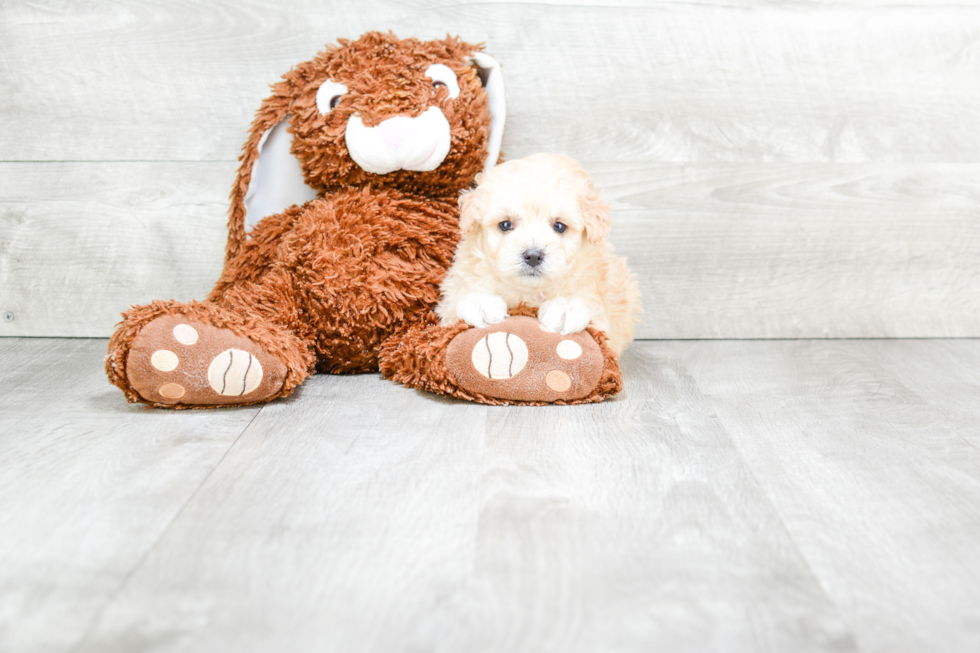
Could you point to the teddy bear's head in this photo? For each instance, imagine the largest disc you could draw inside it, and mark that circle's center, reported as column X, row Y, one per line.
column 421, row 116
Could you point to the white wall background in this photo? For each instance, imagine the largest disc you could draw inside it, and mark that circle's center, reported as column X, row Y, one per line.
column 777, row 169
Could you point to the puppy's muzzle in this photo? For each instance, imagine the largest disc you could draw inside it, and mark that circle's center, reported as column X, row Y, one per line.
column 533, row 257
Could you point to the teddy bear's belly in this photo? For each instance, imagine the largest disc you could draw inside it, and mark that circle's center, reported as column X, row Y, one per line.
column 360, row 304
column 366, row 265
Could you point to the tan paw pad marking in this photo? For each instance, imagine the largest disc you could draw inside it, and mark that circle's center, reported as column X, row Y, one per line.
column 499, row 355
column 164, row 360
column 234, row 373
column 172, row 391
column 569, row 349
column 185, row 334
column 558, row 381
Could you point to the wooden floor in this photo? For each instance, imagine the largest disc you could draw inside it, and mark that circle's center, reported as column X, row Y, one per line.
column 807, row 495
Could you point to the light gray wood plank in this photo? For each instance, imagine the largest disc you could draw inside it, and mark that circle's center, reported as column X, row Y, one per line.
column 879, row 493
column 801, row 251
column 635, row 526
column 341, row 520
column 81, row 242
column 745, row 250
column 88, row 485
column 663, row 81
column 363, row 516
column 721, row 250
column 943, row 373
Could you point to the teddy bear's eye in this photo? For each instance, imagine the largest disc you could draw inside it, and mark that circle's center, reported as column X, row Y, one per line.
column 559, row 227
column 505, row 225
column 328, row 95
column 442, row 75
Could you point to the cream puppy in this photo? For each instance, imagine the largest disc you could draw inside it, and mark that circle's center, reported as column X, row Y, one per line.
column 534, row 232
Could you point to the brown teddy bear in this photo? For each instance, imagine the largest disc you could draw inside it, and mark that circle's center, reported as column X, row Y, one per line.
column 349, row 183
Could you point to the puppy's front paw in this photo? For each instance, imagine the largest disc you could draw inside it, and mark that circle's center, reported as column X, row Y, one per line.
column 482, row 309
column 564, row 316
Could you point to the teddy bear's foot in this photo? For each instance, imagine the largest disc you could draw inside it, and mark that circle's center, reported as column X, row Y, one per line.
column 175, row 361
column 520, row 360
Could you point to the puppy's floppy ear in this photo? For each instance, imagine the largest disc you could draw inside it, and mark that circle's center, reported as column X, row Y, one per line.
column 269, row 178
column 471, row 205
column 595, row 212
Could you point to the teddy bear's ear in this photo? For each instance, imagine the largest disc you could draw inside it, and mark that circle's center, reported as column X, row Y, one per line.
column 493, row 84
column 270, row 178
column 277, row 180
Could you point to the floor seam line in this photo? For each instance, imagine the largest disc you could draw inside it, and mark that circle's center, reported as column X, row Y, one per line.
column 146, row 554
column 722, row 424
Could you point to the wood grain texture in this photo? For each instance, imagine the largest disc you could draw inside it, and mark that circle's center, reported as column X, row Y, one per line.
column 88, row 485
column 878, row 486
column 779, row 169
column 357, row 499
column 634, row 525
column 364, row 516
column 660, row 81
column 739, row 496
column 944, row 374
column 721, row 250
column 801, row 251
column 84, row 241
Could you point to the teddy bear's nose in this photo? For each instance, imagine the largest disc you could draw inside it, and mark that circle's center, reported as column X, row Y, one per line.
column 533, row 257
column 395, row 131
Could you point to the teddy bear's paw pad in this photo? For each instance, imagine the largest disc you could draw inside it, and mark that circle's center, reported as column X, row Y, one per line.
column 519, row 359
column 178, row 361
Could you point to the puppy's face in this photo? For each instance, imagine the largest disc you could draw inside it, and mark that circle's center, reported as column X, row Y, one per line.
column 532, row 240
column 531, row 218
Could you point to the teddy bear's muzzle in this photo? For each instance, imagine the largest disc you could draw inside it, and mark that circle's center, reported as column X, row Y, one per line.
column 400, row 143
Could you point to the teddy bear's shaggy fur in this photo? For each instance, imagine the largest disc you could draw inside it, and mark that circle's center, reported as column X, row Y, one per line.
column 332, row 284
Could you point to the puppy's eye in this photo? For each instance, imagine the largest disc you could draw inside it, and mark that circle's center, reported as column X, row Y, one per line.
column 559, row 227
column 506, row 225
column 438, row 85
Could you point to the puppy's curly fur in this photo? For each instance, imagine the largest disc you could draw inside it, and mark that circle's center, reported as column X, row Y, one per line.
column 534, row 232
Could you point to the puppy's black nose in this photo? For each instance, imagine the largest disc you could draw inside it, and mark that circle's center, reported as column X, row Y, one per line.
column 533, row 257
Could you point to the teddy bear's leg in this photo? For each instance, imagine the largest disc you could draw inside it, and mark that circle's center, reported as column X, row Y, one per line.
column 514, row 362
column 203, row 354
